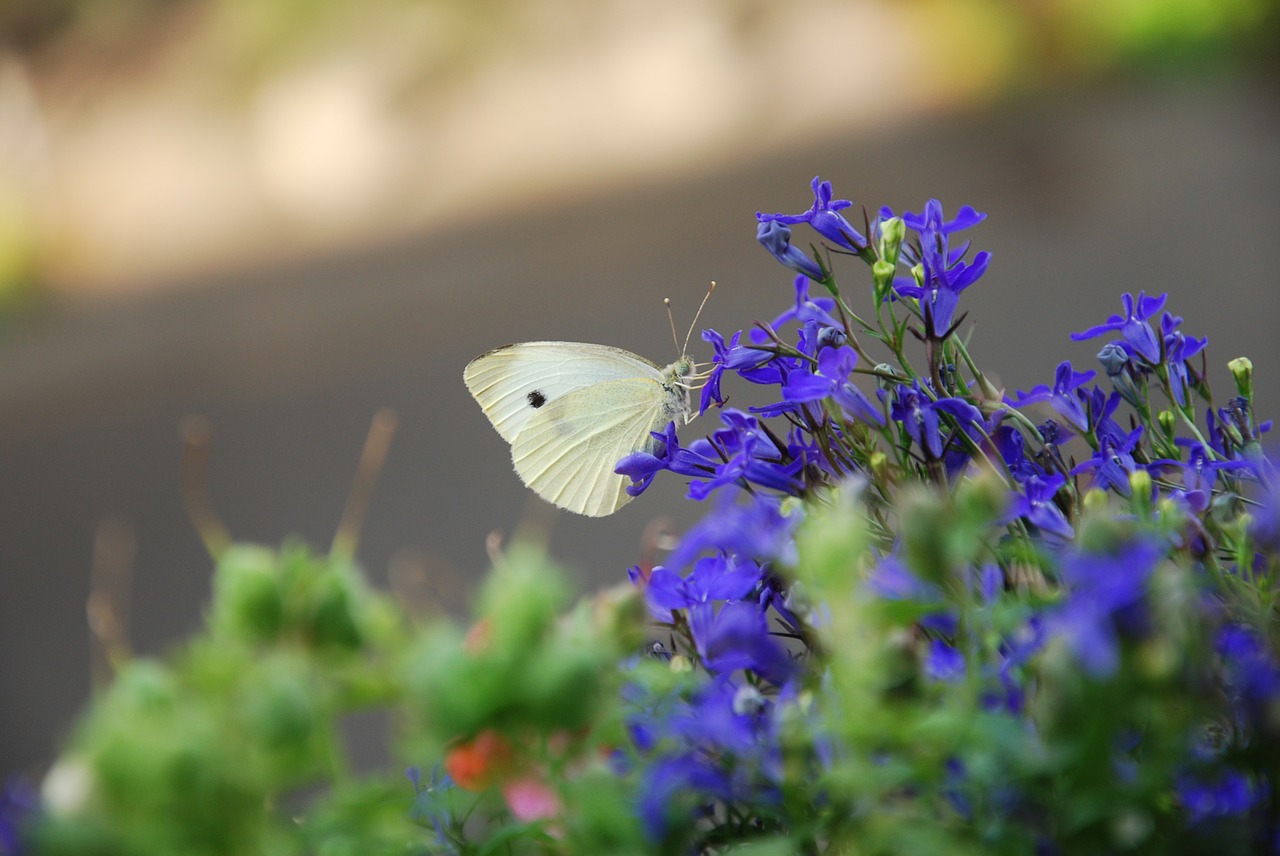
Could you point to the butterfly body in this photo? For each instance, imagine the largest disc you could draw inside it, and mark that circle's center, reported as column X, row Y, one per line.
column 572, row 410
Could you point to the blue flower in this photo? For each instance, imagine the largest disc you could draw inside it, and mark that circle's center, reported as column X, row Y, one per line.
column 1178, row 348
column 893, row 580
column 1252, row 670
column 737, row 637
column 18, row 807
column 755, row 529
column 1036, row 504
column 670, row 784
column 641, row 467
column 1132, row 325
column 943, row 662
column 750, row 455
column 776, row 238
column 824, row 218
column 1117, row 361
column 1113, row 462
column 945, row 272
column 1063, row 397
column 1200, row 473
column 1105, row 602
column 835, row 366
column 919, row 415
column 432, row 804
column 1228, row 793
column 714, row 578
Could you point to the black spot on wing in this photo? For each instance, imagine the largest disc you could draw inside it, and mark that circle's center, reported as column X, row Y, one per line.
column 536, row 399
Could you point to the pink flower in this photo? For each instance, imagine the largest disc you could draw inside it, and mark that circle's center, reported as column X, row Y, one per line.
column 531, row 799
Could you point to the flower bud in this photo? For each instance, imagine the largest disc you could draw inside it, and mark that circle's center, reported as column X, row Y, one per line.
column 1242, row 370
column 892, row 233
column 882, row 280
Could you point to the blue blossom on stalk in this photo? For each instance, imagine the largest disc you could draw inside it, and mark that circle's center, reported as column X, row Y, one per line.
column 1117, row 360
column 724, row 355
column 737, row 637
column 667, row 454
column 945, row 272
column 824, row 218
column 1012, row 447
column 18, row 804
column 1252, row 670
column 1100, row 407
column 835, row 367
column 1106, row 602
column 1132, row 325
column 714, row 578
column 430, row 805
column 804, row 308
column 1035, row 503
column 1178, row 348
column 1228, row 793
column 1265, row 528
column 776, row 238
column 678, row 778
column 1062, row 397
column 1113, row 462
column 750, row 456
column 893, row 580
column 755, row 529
column 1200, row 473
column 943, row 662
column 919, row 415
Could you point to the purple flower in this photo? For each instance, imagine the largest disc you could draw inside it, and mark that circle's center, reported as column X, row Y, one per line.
column 1105, row 602
column 669, row 784
column 749, row 455
column 1228, row 793
column 1117, row 360
column 824, row 218
column 1132, row 325
column 945, row 272
column 1036, row 504
column 892, row 580
column 943, row 662
column 776, row 238
column 1252, row 669
column 919, row 415
column 1178, row 348
column 1063, row 397
column 1199, row 474
column 737, row 637
column 431, row 804
column 1112, row 463
column 714, row 578
column 755, row 529
column 835, row 366
column 641, row 467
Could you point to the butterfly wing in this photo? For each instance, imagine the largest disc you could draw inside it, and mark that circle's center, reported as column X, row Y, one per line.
column 566, row 452
column 514, row 382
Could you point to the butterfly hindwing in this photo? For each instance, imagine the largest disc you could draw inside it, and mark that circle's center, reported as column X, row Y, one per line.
column 515, row 382
column 567, row 451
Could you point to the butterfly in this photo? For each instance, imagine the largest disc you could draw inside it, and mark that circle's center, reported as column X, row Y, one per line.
column 572, row 410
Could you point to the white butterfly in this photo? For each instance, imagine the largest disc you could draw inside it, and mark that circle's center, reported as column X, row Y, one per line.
column 571, row 411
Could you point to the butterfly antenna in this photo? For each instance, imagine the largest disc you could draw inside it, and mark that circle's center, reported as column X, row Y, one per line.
column 671, row 319
column 696, row 316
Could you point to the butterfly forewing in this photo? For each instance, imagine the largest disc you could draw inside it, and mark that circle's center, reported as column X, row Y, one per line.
column 515, row 382
column 567, row 451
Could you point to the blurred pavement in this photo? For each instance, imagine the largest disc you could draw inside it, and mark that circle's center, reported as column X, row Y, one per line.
column 1088, row 195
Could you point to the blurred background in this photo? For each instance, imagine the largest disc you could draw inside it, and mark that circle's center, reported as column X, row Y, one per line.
column 283, row 215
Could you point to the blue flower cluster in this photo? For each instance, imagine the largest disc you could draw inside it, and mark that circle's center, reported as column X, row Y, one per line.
column 1122, row 566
